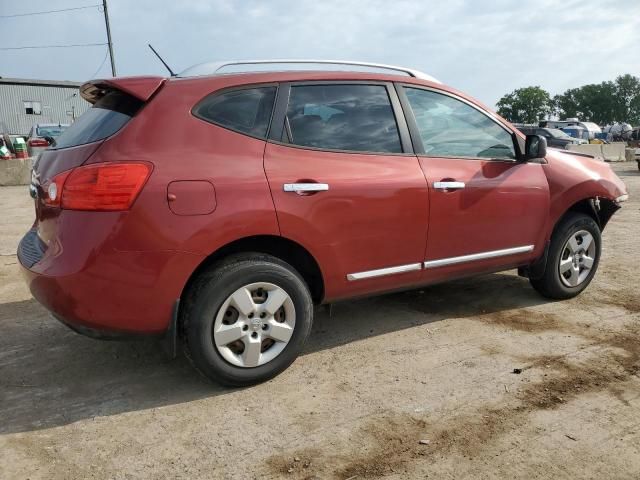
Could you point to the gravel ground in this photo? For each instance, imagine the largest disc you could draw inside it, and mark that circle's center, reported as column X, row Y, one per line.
column 409, row 385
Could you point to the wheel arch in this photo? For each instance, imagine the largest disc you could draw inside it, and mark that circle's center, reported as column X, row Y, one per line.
column 281, row 247
column 599, row 208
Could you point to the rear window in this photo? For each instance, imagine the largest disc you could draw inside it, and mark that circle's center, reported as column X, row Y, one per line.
column 50, row 130
column 106, row 117
column 245, row 111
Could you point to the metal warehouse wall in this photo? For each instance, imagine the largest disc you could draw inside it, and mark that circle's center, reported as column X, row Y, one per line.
column 56, row 102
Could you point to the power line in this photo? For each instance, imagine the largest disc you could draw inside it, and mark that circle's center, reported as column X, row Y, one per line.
column 54, row 46
column 48, row 11
column 101, row 65
column 83, row 7
column 109, row 42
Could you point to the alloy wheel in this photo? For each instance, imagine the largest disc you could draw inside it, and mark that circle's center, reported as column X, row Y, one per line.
column 254, row 324
column 577, row 258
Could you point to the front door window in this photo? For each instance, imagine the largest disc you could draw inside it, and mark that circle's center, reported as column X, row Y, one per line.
column 451, row 128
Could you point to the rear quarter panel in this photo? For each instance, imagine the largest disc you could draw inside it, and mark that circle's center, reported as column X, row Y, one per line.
column 149, row 248
column 183, row 147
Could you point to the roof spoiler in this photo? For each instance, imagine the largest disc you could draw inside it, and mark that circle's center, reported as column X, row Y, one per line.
column 141, row 88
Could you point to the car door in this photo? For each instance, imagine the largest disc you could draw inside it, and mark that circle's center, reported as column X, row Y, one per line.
column 347, row 186
column 487, row 208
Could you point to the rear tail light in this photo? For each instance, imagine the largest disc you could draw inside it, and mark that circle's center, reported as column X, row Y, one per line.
column 53, row 189
column 98, row 187
column 38, row 142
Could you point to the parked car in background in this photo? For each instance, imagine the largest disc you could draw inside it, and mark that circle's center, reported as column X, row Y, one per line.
column 217, row 209
column 42, row 135
column 578, row 132
column 578, row 129
column 555, row 138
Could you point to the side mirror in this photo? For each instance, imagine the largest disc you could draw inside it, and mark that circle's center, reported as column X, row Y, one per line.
column 535, row 147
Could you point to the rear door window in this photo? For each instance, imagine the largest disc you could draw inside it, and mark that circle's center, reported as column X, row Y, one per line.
column 246, row 111
column 347, row 117
column 106, row 117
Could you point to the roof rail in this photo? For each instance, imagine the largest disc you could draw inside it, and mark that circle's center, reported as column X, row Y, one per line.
column 211, row 68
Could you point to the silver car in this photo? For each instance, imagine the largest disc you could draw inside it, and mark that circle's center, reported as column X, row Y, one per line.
column 42, row 135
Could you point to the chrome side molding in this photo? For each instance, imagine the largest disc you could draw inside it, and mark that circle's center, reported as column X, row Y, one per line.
column 477, row 256
column 384, row 271
column 438, row 263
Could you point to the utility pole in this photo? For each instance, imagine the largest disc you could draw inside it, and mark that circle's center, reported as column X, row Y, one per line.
column 110, row 43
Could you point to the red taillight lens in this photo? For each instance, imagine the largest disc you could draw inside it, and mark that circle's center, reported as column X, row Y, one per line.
column 103, row 186
column 38, row 142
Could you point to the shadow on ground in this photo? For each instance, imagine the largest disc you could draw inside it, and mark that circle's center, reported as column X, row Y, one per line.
column 51, row 376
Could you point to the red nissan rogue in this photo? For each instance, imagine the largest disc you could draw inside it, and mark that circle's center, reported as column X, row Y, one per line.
column 217, row 208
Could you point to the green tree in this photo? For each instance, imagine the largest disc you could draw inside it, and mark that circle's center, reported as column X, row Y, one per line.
column 567, row 105
column 602, row 103
column 628, row 98
column 525, row 105
column 592, row 103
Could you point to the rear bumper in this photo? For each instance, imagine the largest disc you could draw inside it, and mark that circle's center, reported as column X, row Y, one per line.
column 99, row 334
column 100, row 291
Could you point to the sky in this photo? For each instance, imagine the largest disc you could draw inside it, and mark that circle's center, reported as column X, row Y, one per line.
column 484, row 48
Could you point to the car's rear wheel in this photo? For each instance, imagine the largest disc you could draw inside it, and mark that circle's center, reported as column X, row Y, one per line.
column 572, row 261
column 246, row 319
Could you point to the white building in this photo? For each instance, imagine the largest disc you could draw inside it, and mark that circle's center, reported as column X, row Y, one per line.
column 26, row 102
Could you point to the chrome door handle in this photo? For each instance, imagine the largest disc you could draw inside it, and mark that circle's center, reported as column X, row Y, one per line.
column 448, row 185
column 305, row 187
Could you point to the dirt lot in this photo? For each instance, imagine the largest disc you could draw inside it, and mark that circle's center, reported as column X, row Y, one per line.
column 378, row 376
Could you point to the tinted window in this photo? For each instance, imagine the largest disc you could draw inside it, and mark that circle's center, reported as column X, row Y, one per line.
column 50, row 130
column 106, row 117
column 555, row 133
column 247, row 111
column 451, row 128
column 342, row 117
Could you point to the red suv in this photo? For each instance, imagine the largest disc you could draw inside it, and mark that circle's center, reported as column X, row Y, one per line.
column 217, row 209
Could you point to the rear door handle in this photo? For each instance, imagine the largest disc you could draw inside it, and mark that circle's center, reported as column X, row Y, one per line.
column 305, row 187
column 448, row 185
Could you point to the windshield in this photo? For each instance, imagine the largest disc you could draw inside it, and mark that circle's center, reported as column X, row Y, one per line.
column 555, row 133
column 50, row 130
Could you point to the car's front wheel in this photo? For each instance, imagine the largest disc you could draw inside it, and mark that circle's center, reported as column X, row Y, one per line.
column 573, row 257
column 246, row 319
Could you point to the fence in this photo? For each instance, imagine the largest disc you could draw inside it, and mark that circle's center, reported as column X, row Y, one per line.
column 611, row 152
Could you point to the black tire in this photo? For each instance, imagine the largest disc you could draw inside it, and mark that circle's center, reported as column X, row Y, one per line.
column 550, row 285
column 209, row 292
